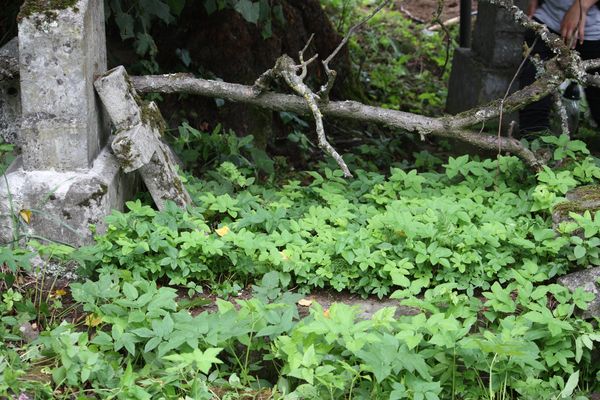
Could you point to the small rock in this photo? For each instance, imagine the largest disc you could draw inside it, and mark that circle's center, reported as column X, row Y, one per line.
column 30, row 332
column 579, row 200
column 588, row 281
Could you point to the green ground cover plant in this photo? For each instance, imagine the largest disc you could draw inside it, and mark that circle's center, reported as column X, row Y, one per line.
column 471, row 224
column 468, row 243
column 401, row 65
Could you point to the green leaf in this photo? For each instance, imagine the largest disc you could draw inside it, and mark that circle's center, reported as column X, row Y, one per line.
column 579, row 251
column 152, row 344
column 249, row 11
column 570, row 386
column 130, row 291
column 176, row 6
column 163, row 328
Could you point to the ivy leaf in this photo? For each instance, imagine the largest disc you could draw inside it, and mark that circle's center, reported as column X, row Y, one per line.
column 157, row 8
column 249, row 11
column 125, row 23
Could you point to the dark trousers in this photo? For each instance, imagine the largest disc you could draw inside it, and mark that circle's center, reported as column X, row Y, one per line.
column 536, row 116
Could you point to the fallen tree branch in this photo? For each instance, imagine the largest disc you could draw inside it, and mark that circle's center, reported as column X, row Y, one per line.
column 285, row 68
column 447, row 127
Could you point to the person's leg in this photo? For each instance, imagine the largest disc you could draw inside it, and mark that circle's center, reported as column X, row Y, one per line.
column 536, row 116
column 589, row 50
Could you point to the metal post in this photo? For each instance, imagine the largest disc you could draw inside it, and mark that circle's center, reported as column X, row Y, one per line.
column 464, row 39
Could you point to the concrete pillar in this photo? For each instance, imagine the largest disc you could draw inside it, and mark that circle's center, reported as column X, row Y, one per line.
column 61, row 52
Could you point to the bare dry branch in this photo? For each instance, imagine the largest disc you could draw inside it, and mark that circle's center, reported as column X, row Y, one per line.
column 447, row 126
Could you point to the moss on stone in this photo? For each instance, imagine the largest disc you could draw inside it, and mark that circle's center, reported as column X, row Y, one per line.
column 151, row 116
column 580, row 200
column 45, row 7
column 125, row 156
column 94, row 197
column 569, row 206
column 586, row 193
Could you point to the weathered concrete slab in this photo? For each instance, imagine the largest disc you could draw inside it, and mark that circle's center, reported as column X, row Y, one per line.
column 60, row 53
column 10, row 92
column 64, row 204
column 587, row 280
column 138, row 144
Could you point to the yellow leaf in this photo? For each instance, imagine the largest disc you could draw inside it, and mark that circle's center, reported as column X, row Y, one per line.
column 26, row 215
column 93, row 320
column 305, row 302
column 284, row 256
column 326, row 313
column 222, row 231
column 59, row 293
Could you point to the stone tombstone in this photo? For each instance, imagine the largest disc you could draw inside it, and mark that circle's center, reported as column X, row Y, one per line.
column 66, row 176
column 483, row 72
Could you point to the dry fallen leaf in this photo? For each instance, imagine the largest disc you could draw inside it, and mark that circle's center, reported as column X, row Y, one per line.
column 59, row 293
column 93, row 320
column 305, row 302
column 26, row 215
column 222, row 231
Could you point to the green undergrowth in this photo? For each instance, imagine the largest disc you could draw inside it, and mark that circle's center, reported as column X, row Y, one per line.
column 401, row 64
column 471, row 224
column 468, row 243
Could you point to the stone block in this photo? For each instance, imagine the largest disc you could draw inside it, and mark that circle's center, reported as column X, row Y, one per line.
column 10, row 110
column 588, row 281
column 10, row 93
column 61, row 52
column 579, row 200
column 9, row 59
column 127, row 111
column 64, row 204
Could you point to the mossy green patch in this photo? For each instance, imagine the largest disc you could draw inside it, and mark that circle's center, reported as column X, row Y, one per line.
column 586, row 193
column 45, row 7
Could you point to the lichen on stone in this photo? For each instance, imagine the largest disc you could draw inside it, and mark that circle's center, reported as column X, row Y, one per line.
column 151, row 116
column 46, row 7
